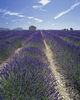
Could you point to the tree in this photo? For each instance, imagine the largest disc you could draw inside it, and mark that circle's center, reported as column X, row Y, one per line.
column 71, row 29
column 32, row 28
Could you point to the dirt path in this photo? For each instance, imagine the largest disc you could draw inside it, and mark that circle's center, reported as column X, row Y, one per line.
column 59, row 78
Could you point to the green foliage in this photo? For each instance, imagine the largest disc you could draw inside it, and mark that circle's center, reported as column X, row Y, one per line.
column 5, row 52
column 34, row 44
column 17, row 43
column 77, row 43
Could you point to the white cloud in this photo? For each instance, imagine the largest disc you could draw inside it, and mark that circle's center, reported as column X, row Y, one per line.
column 30, row 17
column 36, row 19
column 39, row 7
column 13, row 14
column 5, row 12
column 36, row 6
column 67, row 11
column 44, row 2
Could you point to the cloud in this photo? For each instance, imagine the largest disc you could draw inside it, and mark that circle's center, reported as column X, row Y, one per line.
column 30, row 17
column 44, row 2
column 36, row 19
column 67, row 11
column 5, row 12
column 13, row 14
column 36, row 6
column 39, row 7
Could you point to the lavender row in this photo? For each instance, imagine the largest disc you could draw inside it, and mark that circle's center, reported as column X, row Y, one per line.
column 36, row 40
column 73, row 35
column 26, row 77
column 10, row 41
column 6, row 49
column 67, row 57
column 65, row 33
column 26, row 82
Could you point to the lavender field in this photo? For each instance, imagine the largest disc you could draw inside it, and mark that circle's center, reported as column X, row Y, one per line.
column 40, row 65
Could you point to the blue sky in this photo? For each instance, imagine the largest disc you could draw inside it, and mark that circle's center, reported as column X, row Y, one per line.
column 45, row 14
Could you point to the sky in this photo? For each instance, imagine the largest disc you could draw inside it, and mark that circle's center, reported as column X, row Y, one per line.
column 44, row 14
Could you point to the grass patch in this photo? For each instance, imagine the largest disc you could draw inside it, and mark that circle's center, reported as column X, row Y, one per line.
column 17, row 43
column 33, row 44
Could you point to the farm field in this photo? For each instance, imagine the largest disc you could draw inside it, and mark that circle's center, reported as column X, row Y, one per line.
column 40, row 65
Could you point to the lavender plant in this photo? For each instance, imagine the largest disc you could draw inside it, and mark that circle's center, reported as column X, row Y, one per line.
column 27, row 77
column 67, row 56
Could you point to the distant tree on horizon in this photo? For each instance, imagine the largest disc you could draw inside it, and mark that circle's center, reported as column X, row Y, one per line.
column 71, row 29
column 66, row 29
column 32, row 28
